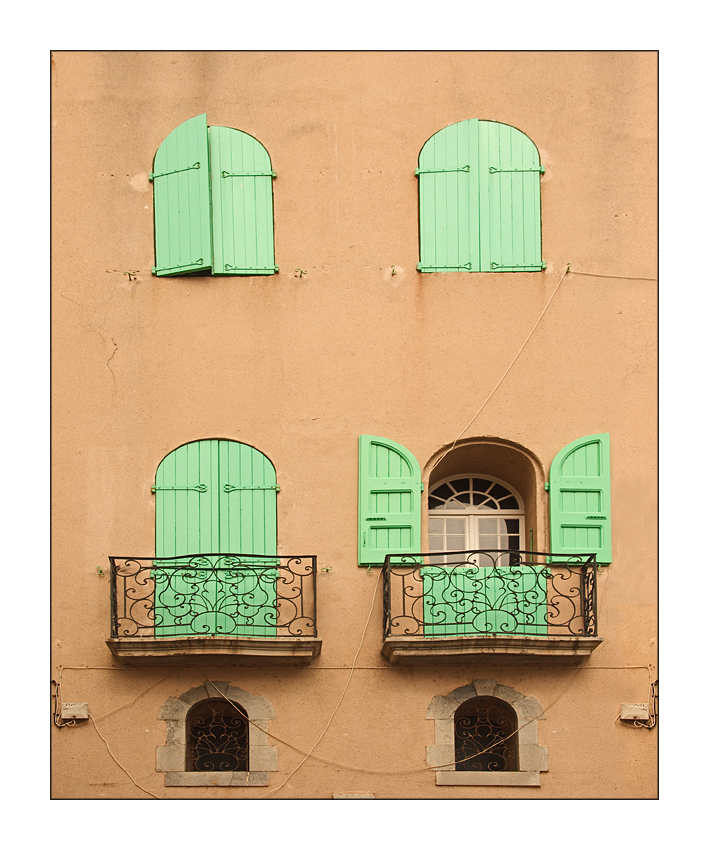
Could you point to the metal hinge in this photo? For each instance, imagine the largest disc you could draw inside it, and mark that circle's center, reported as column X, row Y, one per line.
column 250, row 174
column 198, row 262
column 229, row 268
column 529, row 266
column 440, row 170
column 202, row 488
column 493, row 170
column 152, row 176
column 229, row 488
column 421, row 268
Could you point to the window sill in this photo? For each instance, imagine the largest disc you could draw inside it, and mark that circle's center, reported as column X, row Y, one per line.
column 184, row 779
column 463, row 777
column 243, row 651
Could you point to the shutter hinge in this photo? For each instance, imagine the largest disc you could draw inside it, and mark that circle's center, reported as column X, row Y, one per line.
column 229, row 488
column 152, row 176
column 593, row 516
column 440, row 170
column 546, row 485
column 270, row 269
column 493, row 170
column 250, row 174
column 202, row 488
column 421, row 268
column 530, row 267
column 198, row 262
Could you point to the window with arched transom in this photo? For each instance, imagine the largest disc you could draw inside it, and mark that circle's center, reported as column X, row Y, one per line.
column 485, row 730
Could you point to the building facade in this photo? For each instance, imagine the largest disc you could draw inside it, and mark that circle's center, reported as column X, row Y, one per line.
column 354, row 416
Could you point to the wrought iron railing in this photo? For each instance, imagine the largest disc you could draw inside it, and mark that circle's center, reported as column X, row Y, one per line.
column 214, row 594
column 501, row 592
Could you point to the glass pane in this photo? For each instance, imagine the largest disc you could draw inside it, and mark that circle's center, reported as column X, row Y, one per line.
column 488, row 525
column 499, row 492
column 509, row 503
column 436, row 525
column 512, row 526
column 461, row 484
column 455, row 525
column 481, row 485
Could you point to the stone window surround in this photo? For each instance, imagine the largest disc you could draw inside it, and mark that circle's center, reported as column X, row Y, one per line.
column 171, row 758
column 533, row 758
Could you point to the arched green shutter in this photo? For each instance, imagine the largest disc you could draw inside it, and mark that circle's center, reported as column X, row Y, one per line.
column 215, row 497
column 242, row 203
column 180, row 177
column 580, row 498
column 479, row 200
column 389, row 500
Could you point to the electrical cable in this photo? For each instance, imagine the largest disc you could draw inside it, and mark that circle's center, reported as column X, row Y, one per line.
column 137, row 784
column 504, row 374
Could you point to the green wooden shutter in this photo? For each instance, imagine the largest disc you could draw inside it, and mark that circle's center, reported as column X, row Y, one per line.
column 580, row 498
column 463, row 601
column 510, row 200
column 448, row 200
column 180, row 177
column 242, row 204
column 389, row 500
column 216, row 496
column 479, row 200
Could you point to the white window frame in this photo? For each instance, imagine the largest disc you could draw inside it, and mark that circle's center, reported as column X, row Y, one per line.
column 473, row 513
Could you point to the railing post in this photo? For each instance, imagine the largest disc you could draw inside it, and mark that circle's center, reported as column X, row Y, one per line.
column 386, row 597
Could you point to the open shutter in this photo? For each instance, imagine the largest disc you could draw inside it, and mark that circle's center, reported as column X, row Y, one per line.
column 180, row 177
column 389, row 500
column 242, row 203
column 448, row 200
column 510, row 199
column 580, row 498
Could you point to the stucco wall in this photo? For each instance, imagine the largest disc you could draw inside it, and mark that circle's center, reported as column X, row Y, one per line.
column 300, row 365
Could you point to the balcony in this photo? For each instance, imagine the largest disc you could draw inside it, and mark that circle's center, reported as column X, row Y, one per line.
column 249, row 610
column 489, row 605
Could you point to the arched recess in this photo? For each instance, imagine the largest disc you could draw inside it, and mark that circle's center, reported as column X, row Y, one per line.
column 173, row 759
column 531, row 758
column 504, row 461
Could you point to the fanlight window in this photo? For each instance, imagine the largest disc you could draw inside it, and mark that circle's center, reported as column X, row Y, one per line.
column 474, row 512
column 485, row 735
column 217, row 737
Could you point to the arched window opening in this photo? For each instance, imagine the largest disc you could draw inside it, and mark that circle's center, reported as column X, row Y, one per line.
column 485, row 731
column 476, row 512
column 217, row 737
column 480, row 200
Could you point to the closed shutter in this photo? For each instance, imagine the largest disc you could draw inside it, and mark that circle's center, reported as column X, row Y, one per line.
column 180, row 177
column 215, row 497
column 242, row 204
column 479, row 200
column 448, row 200
column 510, row 201
column 389, row 500
column 580, row 499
